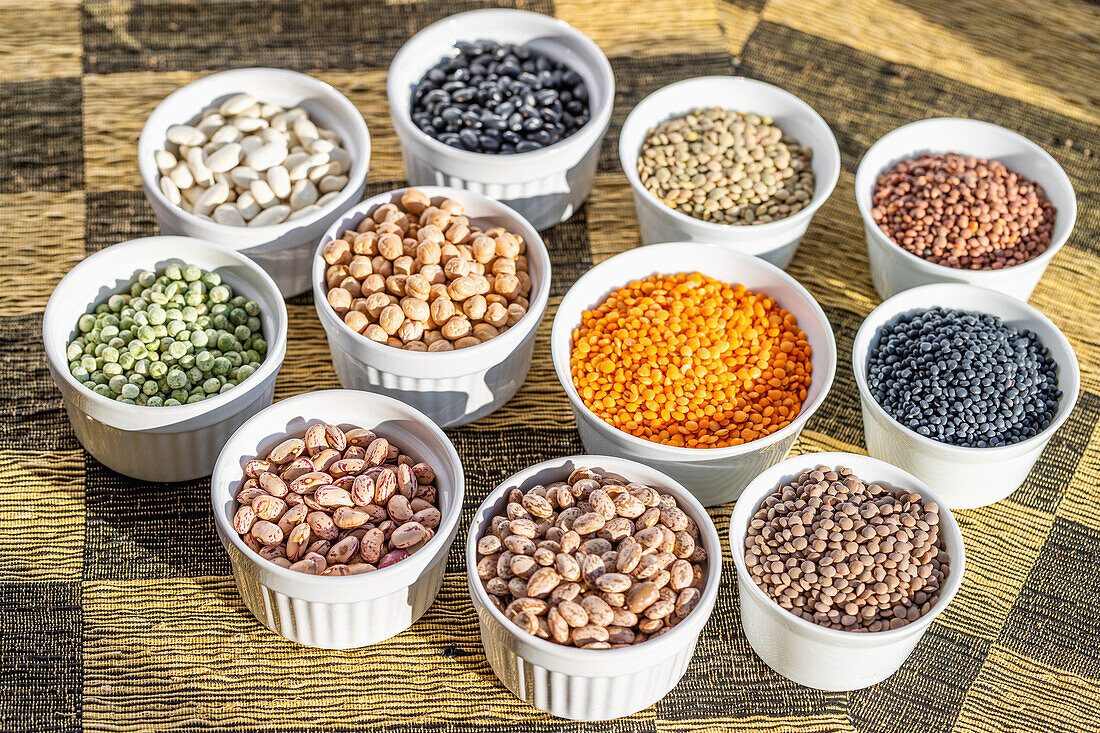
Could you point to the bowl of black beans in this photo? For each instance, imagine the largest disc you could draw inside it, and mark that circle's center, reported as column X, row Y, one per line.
column 508, row 103
column 963, row 387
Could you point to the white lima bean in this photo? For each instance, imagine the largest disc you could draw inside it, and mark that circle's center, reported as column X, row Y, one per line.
column 245, row 162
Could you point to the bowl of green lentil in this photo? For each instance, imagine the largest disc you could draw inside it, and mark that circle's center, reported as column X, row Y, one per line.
column 161, row 347
column 728, row 160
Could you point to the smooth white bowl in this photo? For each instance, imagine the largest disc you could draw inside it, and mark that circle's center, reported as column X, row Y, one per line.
column 545, row 186
column 893, row 268
column 964, row 477
column 159, row 443
column 713, row 475
column 812, row 655
column 283, row 250
column 451, row 387
column 589, row 684
column 354, row 610
column 775, row 241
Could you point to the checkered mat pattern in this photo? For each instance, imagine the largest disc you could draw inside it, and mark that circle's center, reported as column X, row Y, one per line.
column 117, row 609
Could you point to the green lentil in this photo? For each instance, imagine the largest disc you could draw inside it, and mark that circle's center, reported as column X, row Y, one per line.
column 727, row 167
column 168, row 339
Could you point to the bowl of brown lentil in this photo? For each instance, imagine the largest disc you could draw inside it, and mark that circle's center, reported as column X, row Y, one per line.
column 695, row 359
column 965, row 201
column 868, row 559
column 728, row 160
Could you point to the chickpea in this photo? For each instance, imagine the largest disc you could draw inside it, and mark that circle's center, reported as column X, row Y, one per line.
column 418, row 286
column 410, row 331
column 466, row 342
column 458, row 232
column 415, row 309
column 375, row 303
column 351, row 285
column 439, row 290
column 340, row 300
column 431, row 336
column 496, row 315
column 359, row 304
column 382, row 266
column 507, row 246
column 442, row 309
column 475, row 307
column 390, row 246
column 431, row 234
column 365, row 244
column 367, row 225
column 382, row 212
column 334, row 275
column 506, row 285
column 462, row 288
column 455, row 328
column 409, row 246
column 504, row 266
column 360, row 267
column 447, row 252
column 373, row 284
column 390, row 227
column 451, row 207
column 434, row 274
column 356, row 320
column 395, row 284
column 484, row 248
column 441, row 345
column 391, row 318
column 428, row 253
column 484, row 332
column 515, row 313
column 524, row 283
column 416, row 346
column 456, row 267
column 403, row 265
column 415, row 201
column 337, row 252
column 376, row 333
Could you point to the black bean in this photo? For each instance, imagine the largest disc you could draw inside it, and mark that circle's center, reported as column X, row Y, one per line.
column 499, row 98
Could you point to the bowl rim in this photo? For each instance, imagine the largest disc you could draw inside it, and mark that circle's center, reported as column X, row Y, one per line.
column 678, row 635
column 448, row 522
column 758, row 489
column 528, row 323
column 1066, row 403
column 598, row 121
column 716, row 250
column 864, row 178
column 273, row 359
column 821, row 193
column 357, row 172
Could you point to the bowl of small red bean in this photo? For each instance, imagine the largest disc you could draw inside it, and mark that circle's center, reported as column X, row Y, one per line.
column 957, row 200
column 843, row 562
column 338, row 527
column 597, row 572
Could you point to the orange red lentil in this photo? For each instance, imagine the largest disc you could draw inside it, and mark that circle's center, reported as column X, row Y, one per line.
column 687, row 360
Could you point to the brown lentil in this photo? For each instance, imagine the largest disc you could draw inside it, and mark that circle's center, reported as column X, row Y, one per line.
column 324, row 503
column 845, row 554
column 595, row 593
column 963, row 212
column 727, row 167
column 419, row 275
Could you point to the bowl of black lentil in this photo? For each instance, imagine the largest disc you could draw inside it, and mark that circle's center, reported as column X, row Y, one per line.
column 728, row 160
column 508, row 103
column 963, row 387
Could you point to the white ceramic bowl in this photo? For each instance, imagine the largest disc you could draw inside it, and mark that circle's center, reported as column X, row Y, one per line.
column 812, row 655
column 775, row 241
column 354, row 610
column 451, row 387
column 159, row 443
column 283, row 250
column 589, row 684
column 964, row 477
column 893, row 268
column 545, row 186
column 713, row 475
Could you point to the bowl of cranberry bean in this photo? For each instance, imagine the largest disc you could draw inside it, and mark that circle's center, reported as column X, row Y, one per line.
column 337, row 509
column 592, row 578
column 843, row 562
column 957, row 200
column 508, row 103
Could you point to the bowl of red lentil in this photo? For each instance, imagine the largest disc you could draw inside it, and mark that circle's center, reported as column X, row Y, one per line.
column 700, row 361
column 958, row 200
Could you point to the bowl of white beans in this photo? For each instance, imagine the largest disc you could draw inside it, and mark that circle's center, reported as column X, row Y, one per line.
column 257, row 160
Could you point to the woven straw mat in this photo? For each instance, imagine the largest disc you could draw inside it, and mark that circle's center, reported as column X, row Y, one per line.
column 117, row 609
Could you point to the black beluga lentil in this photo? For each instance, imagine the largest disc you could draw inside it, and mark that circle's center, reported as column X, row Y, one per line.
column 500, row 98
column 962, row 378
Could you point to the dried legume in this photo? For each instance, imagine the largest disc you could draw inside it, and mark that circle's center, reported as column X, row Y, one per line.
column 336, row 502
column 727, row 167
column 963, row 378
column 963, row 212
column 845, row 554
column 593, row 562
column 419, row 275
column 251, row 163
column 500, row 98
column 169, row 339
column 686, row 360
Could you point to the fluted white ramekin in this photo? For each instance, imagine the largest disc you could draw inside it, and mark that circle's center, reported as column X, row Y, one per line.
column 353, row 610
column 450, row 387
column 812, row 655
column 775, row 241
column 589, row 684
column 965, row 477
column 893, row 268
column 545, row 186
column 283, row 250
column 159, row 443
column 713, row 475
